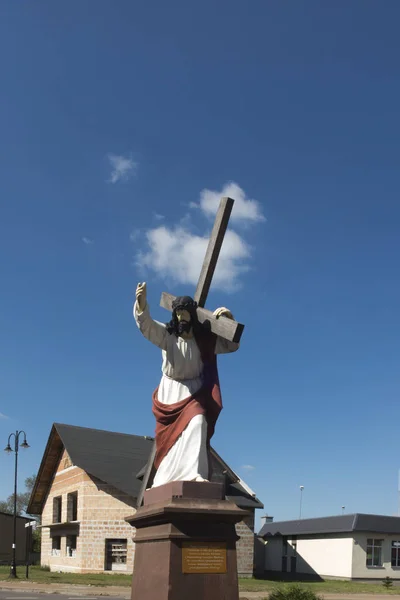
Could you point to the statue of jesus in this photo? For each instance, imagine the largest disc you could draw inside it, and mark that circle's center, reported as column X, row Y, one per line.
column 187, row 402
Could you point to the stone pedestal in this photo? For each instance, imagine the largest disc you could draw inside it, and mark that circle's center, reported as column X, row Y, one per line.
column 186, row 543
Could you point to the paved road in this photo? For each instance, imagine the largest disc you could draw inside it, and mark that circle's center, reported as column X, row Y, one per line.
column 25, row 595
column 86, row 593
column 6, row 594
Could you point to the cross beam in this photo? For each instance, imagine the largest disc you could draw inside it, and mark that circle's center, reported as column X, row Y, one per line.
column 226, row 328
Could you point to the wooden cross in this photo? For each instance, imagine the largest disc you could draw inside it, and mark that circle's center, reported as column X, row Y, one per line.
column 226, row 328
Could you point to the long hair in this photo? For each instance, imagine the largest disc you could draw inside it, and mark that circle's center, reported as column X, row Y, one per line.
column 184, row 303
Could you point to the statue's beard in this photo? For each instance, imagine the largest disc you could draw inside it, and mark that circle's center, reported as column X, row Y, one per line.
column 184, row 327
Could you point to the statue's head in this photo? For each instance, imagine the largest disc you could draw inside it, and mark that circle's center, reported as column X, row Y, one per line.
column 184, row 316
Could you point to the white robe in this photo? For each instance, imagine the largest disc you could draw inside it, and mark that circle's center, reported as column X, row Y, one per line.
column 182, row 369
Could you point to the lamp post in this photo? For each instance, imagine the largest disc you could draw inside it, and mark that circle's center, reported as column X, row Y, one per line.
column 343, row 509
column 9, row 449
column 301, row 499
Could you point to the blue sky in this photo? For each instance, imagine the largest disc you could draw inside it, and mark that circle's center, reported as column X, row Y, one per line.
column 121, row 123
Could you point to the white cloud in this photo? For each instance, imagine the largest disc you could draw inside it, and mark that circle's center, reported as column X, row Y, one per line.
column 177, row 254
column 123, row 167
column 87, row 241
column 244, row 210
column 158, row 217
column 248, row 467
column 3, row 416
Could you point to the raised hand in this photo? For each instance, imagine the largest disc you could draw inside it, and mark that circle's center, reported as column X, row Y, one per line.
column 141, row 296
column 223, row 312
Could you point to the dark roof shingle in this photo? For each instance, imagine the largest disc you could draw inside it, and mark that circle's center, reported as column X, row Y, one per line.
column 335, row 524
column 115, row 458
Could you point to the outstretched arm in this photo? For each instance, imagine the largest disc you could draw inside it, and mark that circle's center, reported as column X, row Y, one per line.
column 222, row 345
column 152, row 330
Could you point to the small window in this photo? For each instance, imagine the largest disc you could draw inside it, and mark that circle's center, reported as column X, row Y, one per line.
column 71, row 546
column 396, row 554
column 116, row 553
column 57, row 509
column 374, row 552
column 56, row 545
column 72, row 507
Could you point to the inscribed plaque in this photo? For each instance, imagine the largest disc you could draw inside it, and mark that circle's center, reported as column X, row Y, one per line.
column 204, row 557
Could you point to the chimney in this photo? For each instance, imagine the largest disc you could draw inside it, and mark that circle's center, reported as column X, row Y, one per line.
column 266, row 519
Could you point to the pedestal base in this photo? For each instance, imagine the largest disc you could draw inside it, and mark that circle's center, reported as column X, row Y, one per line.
column 186, row 543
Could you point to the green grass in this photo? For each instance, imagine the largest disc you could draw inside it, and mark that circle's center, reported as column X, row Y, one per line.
column 38, row 575
column 328, row 586
column 246, row 585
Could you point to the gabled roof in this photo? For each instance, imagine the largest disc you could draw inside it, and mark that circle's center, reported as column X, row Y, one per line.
column 116, row 459
column 335, row 524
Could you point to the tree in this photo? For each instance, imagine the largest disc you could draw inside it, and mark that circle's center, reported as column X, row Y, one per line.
column 7, row 506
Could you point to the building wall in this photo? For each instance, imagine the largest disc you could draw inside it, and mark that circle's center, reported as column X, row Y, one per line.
column 330, row 556
column 7, row 537
column 245, row 546
column 360, row 569
column 101, row 515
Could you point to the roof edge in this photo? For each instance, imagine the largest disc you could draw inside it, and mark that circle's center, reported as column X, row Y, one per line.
column 36, row 508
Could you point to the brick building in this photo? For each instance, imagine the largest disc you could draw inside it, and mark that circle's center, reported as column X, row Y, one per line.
column 88, row 484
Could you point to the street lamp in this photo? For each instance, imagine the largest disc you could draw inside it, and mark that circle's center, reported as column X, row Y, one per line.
column 301, row 499
column 9, row 449
column 343, row 509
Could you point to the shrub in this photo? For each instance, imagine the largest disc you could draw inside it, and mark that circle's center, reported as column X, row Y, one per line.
column 294, row 592
column 387, row 583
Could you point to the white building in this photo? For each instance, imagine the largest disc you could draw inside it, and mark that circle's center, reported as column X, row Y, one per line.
column 354, row 546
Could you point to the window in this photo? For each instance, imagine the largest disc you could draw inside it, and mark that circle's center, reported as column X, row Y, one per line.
column 57, row 509
column 71, row 546
column 116, row 551
column 56, row 545
column 374, row 552
column 395, row 554
column 72, row 507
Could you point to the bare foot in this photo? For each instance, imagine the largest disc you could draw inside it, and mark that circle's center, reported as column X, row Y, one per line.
column 200, row 478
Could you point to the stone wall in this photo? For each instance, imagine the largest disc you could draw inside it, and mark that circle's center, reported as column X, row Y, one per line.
column 245, row 546
column 101, row 515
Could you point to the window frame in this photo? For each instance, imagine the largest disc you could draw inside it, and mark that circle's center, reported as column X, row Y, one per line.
column 72, row 507
column 120, row 555
column 57, row 509
column 397, row 551
column 55, row 551
column 70, row 550
column 374, row 545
